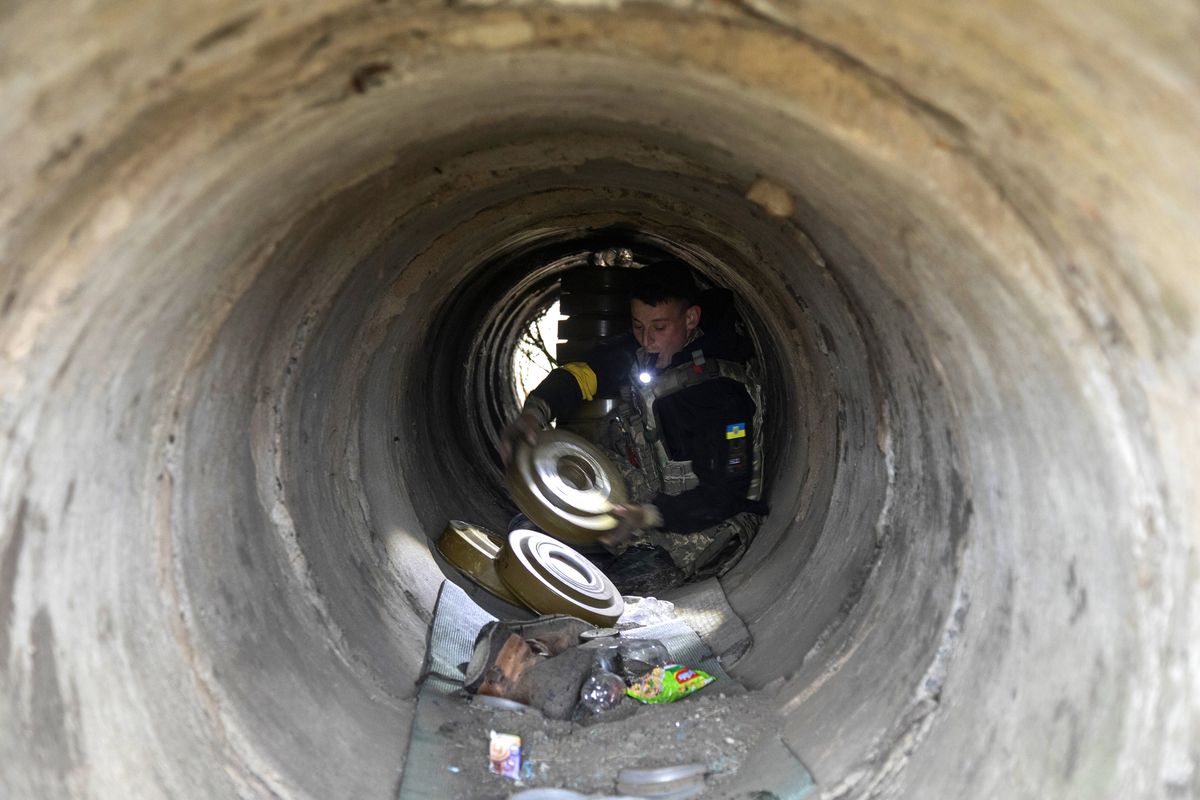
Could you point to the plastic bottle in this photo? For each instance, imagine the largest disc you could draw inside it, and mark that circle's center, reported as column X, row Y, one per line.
column 639, row 656
column 601, row 691
column 605, row 654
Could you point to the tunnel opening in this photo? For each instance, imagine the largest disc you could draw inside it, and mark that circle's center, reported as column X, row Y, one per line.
column 499, row 302
column 389, row 335
column 536, row 353
column 829, row 380
column 230, row 304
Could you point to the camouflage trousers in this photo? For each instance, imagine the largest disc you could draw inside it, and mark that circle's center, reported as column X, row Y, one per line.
column 706, row 553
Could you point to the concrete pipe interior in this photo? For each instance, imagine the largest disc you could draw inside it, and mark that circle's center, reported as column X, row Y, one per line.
column 237, row 242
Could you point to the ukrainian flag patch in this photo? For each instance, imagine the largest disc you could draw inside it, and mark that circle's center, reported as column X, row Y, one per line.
column 735, row 431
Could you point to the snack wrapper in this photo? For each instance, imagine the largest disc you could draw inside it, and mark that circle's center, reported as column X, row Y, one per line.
column 504, row 755
column 668, row 684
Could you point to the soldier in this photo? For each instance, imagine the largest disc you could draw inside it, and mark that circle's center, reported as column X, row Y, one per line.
column 686, row 434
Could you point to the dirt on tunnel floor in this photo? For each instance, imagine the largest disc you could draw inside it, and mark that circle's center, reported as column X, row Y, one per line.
column 711, row 728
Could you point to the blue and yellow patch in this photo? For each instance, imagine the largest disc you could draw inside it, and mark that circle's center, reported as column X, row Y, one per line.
column 735, row 431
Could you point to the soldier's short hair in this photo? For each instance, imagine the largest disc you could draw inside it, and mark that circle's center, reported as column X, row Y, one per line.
column 662, row 281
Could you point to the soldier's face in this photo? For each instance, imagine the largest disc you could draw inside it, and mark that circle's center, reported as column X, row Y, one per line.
column 663, row 329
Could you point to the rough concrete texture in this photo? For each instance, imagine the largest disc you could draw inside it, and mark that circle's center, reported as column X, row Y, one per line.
column 231, row 234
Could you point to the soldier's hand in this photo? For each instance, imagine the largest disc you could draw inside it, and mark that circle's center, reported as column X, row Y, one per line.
column 533, row 419
column 633, row 517
column 524, row 428
column 630, row 519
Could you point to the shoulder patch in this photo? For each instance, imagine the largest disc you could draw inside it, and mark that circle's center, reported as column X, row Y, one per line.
column 735, row 431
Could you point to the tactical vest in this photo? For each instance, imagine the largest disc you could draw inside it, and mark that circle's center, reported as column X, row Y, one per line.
column 642, row 427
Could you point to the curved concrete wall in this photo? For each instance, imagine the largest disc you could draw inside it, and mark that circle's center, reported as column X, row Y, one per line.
column 233, row 239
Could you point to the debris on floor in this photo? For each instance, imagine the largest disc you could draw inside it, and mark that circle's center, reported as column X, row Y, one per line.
column 504, row 754
column 717, row 733
column 646, row 611
column 588, row 737
column 668, row 684
column 550, row 664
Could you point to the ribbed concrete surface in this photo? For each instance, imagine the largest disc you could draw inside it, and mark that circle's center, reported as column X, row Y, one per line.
column 234, row 243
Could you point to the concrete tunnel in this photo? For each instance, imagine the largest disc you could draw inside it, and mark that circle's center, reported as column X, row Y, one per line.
column 249, row 250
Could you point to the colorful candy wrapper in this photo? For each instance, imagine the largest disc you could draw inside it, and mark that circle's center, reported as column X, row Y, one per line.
column 504, row 755
column 668, row 684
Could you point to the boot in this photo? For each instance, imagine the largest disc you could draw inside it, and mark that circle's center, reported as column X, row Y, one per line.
column 552, row 634
column 505, row 650
column 499, row 660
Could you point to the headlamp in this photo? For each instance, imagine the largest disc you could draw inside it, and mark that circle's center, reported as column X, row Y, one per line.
column 645, row 364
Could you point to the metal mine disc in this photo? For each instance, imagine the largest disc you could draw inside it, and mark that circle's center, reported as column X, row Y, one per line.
column 551, row 578
column 472, row 550
column 566, row 485
column 682, row 782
